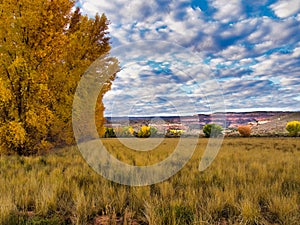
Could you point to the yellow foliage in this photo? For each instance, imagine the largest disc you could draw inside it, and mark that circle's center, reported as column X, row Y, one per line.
column 15, row 133
column 45, row 49
column 293, row 127
column 176, row 131
column 131, row 130
column 40, row 119
column 4, row 92
column 144, row 131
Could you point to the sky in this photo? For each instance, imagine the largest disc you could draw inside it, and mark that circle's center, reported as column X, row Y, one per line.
column 200, row 56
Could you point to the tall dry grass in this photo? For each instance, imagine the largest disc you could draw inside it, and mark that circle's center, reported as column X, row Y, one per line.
column 252, row 181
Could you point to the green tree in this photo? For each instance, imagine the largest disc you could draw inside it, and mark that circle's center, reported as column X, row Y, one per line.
column 45, row 48
column 212, row 130
column 293, row 128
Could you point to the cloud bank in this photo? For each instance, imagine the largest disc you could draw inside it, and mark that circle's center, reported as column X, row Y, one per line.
column 252, row 49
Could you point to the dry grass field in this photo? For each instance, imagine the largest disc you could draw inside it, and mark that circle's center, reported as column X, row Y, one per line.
column 252, row 181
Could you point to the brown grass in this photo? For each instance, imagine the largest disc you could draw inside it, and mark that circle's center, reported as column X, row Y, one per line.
column 252, row 181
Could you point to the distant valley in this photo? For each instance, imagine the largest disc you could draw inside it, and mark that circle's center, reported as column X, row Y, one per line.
column 262, row 122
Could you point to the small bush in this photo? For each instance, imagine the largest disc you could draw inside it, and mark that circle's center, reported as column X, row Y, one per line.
column 144, row 132
column 126, row 132
column 212, row 130
column 109, row 133
column 293, row 128
column 244, row 131
column 118, row 131
column 173, row 133
column 153, row 131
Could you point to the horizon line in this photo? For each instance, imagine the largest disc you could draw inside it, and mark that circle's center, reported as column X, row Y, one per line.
column 206, row 113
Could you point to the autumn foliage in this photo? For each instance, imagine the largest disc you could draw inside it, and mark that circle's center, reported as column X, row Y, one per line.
column 244, row 131
column 293, row 128
column 45, row 47
column 128, row 131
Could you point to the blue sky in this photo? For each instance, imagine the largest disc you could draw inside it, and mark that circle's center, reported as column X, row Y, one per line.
column 197, row 56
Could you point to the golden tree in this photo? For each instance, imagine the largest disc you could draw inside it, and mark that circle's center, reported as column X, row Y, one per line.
column 45, row 48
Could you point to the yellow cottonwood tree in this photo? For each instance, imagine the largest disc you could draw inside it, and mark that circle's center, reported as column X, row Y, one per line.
column 45, row 47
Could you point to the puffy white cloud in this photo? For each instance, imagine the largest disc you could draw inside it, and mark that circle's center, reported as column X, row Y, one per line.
column 280, row 32
column 285, row 9
column 234, row 52
column 228, row 10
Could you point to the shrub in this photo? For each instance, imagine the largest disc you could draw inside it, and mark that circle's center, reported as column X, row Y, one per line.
column 212, row 130
column 244, row 131
column 109, row 133
column 153, row 131
column 118, row 131
column 173, row 133
column 127, row 132
column 144, row 132
column 293, row 128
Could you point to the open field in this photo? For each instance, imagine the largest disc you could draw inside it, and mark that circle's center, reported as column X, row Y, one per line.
column 252, row 181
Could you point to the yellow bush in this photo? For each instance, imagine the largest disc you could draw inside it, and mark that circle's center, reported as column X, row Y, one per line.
column 293, row 128
column 144, row 132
